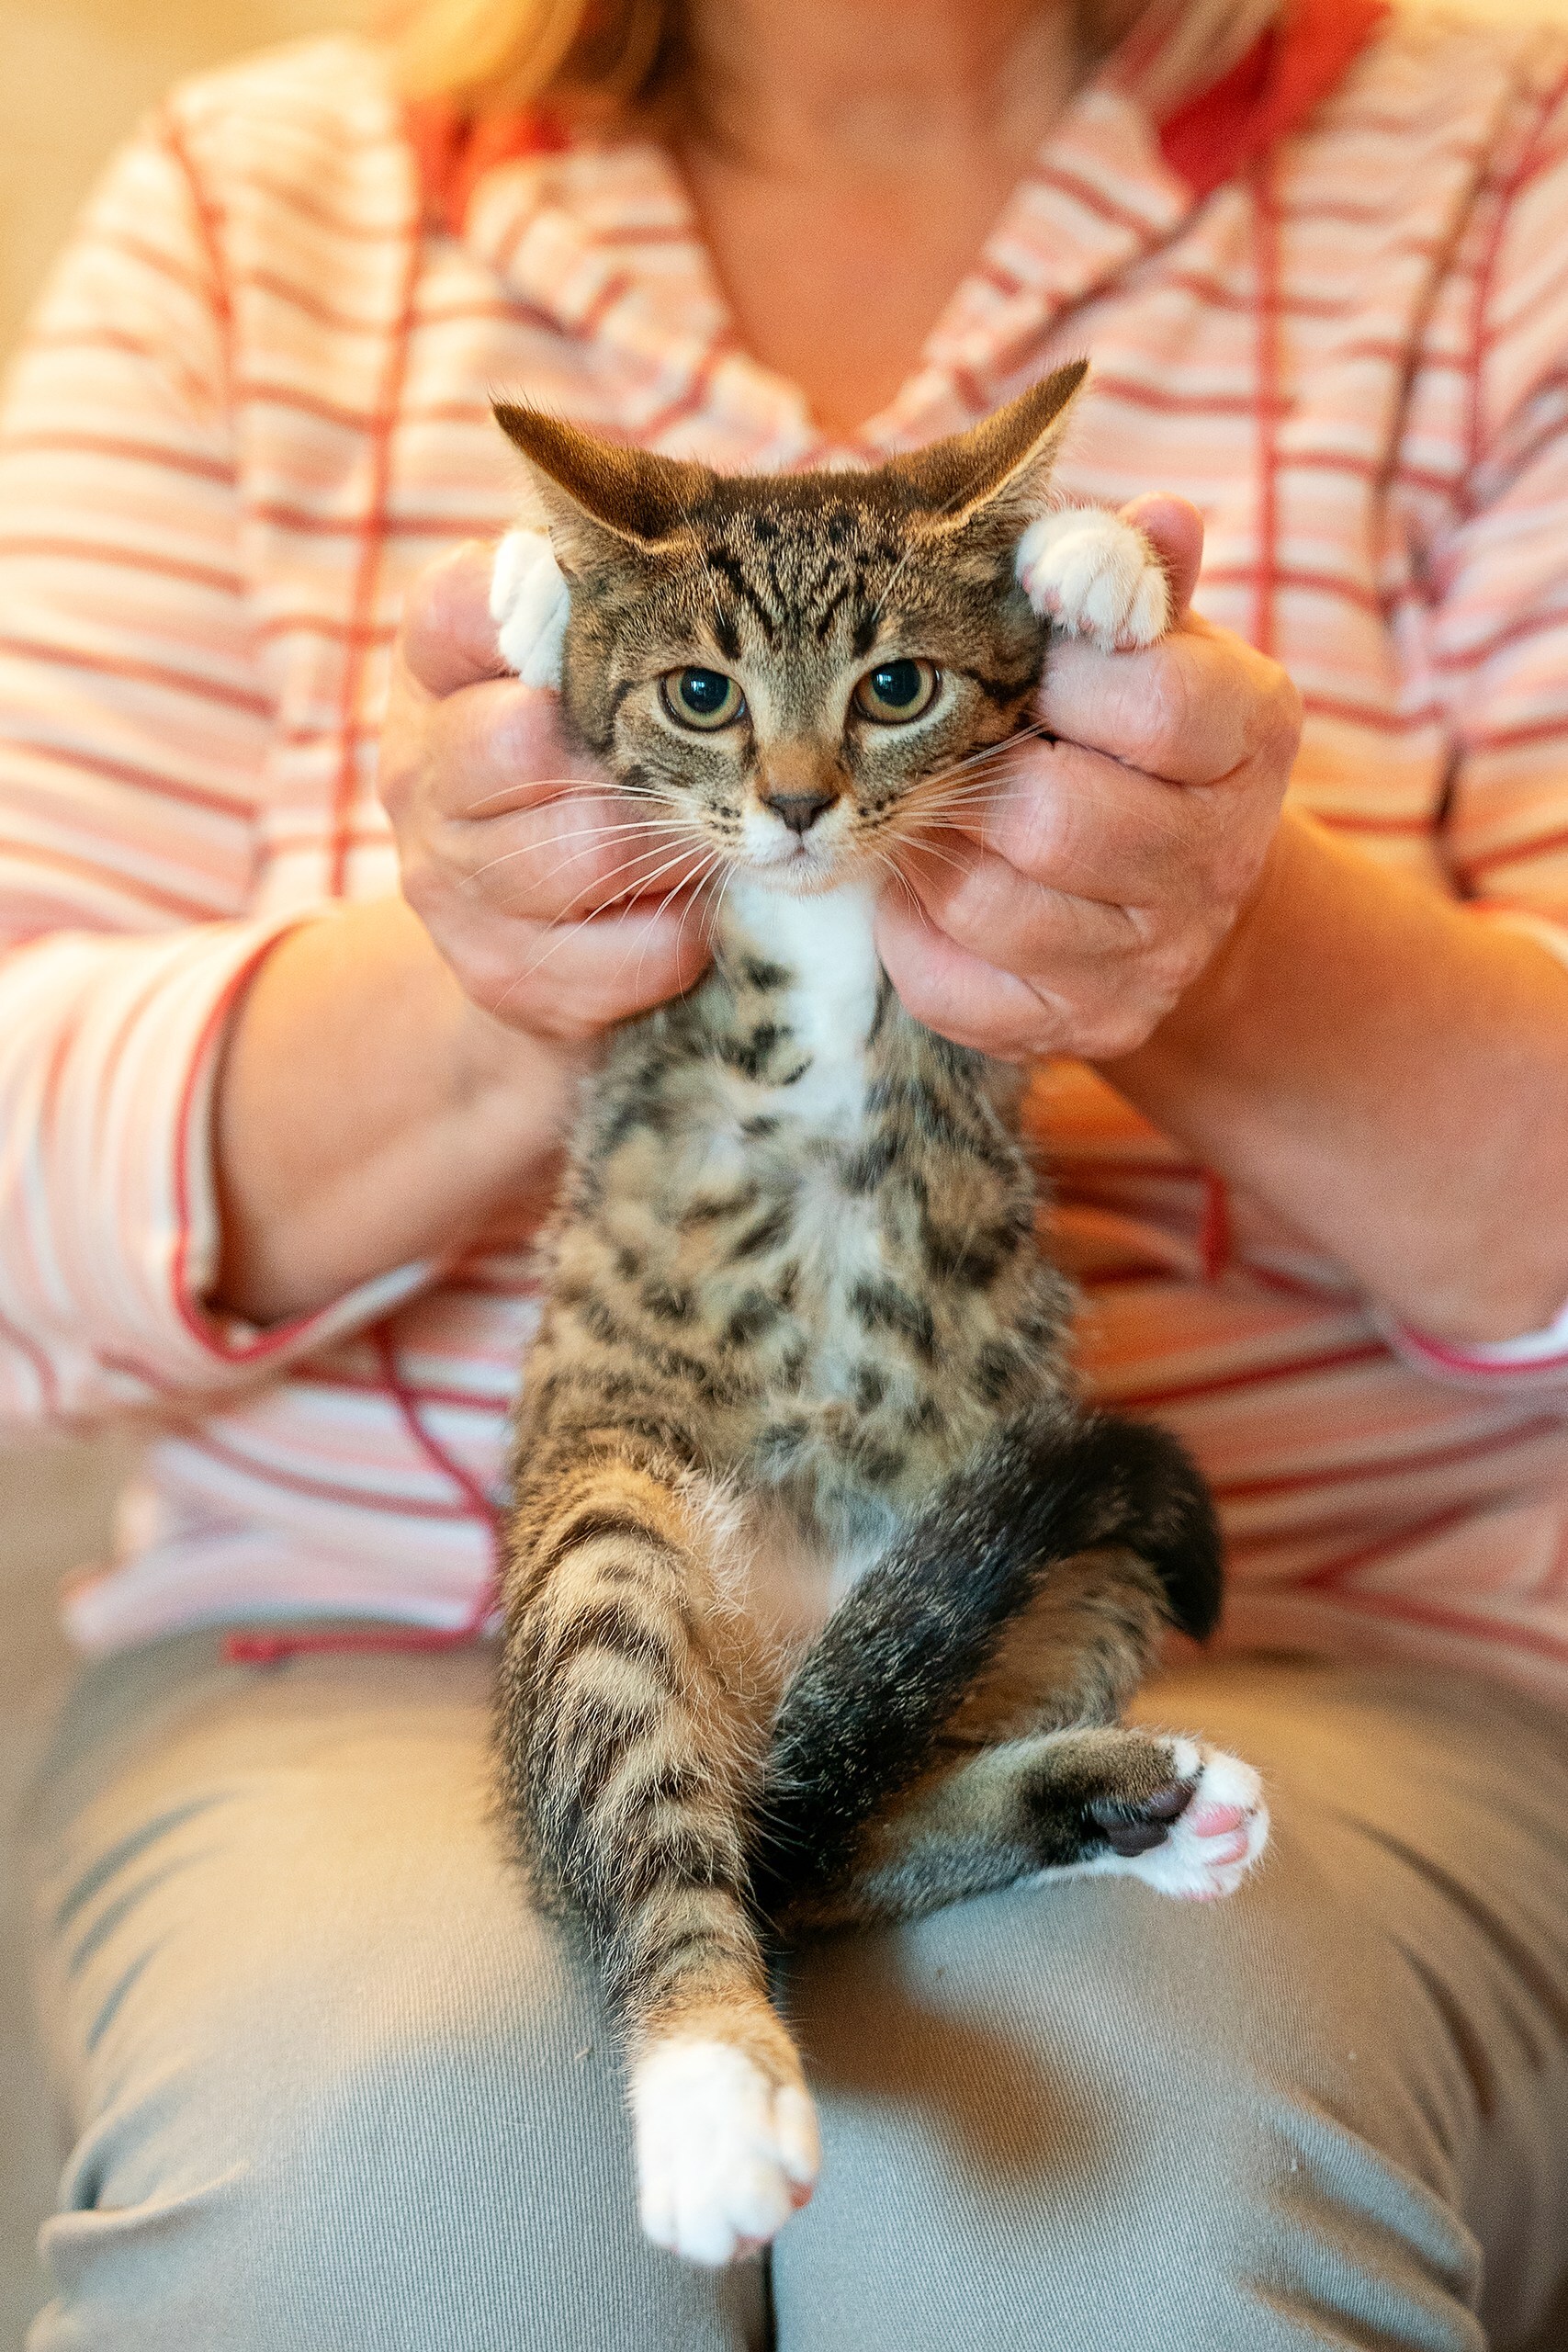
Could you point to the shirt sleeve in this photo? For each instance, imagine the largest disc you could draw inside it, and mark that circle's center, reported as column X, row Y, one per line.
column 134, row 728
column 1500, row 637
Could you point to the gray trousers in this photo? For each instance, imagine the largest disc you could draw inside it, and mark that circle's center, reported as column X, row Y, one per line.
column 333, row 2087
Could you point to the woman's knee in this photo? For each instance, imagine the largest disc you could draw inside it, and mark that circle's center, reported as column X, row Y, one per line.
column 373, row 2132
column 1128, row 2121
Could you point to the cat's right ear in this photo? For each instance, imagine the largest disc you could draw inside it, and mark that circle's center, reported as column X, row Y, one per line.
column 600, row 501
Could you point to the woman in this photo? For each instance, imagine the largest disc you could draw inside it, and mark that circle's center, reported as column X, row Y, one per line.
column 278, row 1134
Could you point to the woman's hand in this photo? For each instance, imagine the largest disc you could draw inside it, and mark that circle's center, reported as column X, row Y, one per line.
column 560, row 907
column 1389, row 1076
column 1073, row 908
column 399, row 1077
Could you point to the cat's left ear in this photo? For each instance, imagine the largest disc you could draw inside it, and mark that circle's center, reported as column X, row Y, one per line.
column 999, row 471
column 600, row 501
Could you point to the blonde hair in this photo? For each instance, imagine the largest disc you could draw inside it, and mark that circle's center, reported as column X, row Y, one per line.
column 626, row 56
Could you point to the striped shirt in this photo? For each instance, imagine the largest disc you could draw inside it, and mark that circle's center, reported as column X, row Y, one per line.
column 257, row 400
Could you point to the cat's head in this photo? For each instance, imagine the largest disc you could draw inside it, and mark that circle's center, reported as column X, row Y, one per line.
column 797, row 667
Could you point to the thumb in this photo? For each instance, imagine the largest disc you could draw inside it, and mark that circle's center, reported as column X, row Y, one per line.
column 1175, row 529
column 447, row 636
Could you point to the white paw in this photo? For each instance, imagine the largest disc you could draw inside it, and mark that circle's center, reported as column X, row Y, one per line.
column 1095, row 576
column 1215, row 1842
column 529, row 602
column 724, row 2156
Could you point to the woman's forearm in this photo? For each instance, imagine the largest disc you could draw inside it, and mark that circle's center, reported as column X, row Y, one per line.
column 1390, row 1076
column 368, row 1114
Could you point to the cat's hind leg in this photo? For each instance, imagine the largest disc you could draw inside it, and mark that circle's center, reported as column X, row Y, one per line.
column 1189, row 1821
column 630, row 1748
column 956, row 1726
column 1088, row 1535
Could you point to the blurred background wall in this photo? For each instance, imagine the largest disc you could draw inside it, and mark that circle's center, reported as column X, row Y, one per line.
column 74, row 77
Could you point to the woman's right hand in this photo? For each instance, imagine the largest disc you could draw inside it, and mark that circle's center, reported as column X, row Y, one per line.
column 560, row 909
column 401, row 1078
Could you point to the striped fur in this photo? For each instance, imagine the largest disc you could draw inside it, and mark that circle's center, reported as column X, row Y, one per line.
column 798, row 1327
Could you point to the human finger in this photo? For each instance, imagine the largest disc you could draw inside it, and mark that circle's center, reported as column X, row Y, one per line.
column 962, row 995
column 1174, row 528
column 1196, row 708
column 1018, row 925
column 1117, row 967
column 447, row 635
column 573, row 980
column 577, row 854
column 494, row 747
column 1083, row 822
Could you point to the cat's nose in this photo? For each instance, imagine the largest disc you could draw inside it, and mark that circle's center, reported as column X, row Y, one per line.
column 799, row 810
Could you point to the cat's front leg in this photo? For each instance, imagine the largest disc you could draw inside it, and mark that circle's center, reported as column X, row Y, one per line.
column 630, row 1757
column 1094, row 575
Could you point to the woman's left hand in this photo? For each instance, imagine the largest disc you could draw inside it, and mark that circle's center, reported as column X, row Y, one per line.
column 1068, row 912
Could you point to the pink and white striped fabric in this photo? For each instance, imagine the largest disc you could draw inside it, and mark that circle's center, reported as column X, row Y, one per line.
column 257, row 400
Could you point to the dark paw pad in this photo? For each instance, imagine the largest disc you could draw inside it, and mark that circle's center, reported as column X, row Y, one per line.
column 1135, row 1826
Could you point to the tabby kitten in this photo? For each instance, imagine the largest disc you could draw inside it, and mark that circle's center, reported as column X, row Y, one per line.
column 825, row 1591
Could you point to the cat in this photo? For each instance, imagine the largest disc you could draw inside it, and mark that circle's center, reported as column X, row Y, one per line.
column 825, row 1592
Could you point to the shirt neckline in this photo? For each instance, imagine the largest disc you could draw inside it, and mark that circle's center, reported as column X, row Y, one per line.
column 601, row 238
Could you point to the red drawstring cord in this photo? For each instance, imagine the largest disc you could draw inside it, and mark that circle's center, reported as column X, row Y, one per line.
column 267, row 1650
column 1214, row 1232
column 1267, row 236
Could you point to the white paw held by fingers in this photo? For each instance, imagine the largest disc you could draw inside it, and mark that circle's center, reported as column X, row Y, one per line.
column 724, row 2155
column 1095, row 576
column 1220, row 1835
column 528, row 606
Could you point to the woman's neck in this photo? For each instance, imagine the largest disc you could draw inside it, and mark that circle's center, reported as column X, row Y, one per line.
column 849, row 156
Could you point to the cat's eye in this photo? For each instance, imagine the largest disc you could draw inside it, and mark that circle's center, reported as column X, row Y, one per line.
column 702, row 699
column 896, row 692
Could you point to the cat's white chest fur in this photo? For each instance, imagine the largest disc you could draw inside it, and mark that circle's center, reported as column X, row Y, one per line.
column 827, row 943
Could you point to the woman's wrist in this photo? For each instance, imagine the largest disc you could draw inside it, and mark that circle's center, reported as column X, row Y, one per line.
column 1215, row 1020
column 1388, row 1077
column 367, row 1114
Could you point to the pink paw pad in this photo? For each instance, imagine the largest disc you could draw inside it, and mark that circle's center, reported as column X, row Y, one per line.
column 1219, row 1837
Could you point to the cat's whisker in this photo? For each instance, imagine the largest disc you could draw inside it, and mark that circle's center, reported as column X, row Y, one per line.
column 608, row 787
column 932, row 799
column 722, row 865
column 1019, row 736
column 943, row 858
column 622, row 881
column 539, row 783
column 589, row 835
column 888, row 860
column 562, row 927
column 702, row 861
column 694, row 900
column 1001, row 759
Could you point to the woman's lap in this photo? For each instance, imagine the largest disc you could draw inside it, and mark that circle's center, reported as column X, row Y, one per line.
column 334, row 2082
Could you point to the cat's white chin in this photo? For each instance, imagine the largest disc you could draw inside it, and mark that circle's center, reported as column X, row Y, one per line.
column 797, row 886
column 796, row 878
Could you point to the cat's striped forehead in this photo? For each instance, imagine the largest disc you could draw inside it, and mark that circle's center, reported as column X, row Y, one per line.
column 820, row 567
column 816, row 568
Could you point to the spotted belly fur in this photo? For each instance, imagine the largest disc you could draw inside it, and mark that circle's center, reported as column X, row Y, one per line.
column 804, row 1226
